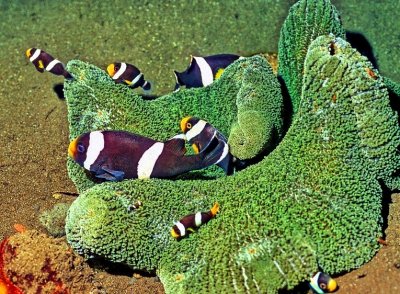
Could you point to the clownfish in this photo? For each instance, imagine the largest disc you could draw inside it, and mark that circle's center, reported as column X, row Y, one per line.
column 202, row 136
column 129, row 74
column 118, row 155
column 190, row 222
column 202, row 71
column 322, row 283
column 43, row 61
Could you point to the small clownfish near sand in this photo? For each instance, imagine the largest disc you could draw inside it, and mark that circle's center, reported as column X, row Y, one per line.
column 118, row 155
column 43, row 61
column 322, row 283
column 202, row 71
column 202, row 135
column 190, row 222
column 129, row 74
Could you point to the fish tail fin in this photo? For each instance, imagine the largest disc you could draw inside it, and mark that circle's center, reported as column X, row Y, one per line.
column 178, row 80
column 214, row 210
column 239, row 164
column 146, row 86
column 67, row 75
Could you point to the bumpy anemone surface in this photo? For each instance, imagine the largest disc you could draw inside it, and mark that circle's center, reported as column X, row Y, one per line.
column 307, row 20
column 313, row 203
column 245, row 104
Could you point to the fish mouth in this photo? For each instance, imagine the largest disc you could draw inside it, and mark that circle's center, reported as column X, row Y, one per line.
column 183, row 123
column 332, row 285
column 174, row 234
column 28, row 52
column 111, row 69
column 72, row 148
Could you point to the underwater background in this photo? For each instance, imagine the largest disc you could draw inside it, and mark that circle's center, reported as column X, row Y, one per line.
column 158, row 37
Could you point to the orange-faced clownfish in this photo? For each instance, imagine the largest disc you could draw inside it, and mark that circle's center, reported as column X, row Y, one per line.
column 43, row 61
column 202, row 71
column 203, row 136
column 129, row 74
column 190, row 222
column 322, row 283
column 118, row 155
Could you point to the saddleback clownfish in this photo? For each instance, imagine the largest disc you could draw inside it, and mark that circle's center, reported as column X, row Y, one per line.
column 129, row 74
column 118, row 155
column 202, row 136
column 190, row 222
column 322, row 283
column 202, row 71
column 43, row 61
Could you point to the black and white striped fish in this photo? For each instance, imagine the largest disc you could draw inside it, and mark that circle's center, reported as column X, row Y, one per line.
column 203, row 137
column 322, row 283
column 118, row 155
column 43, row 61
column 129, row 74
column 190, row 222
column 202, row 71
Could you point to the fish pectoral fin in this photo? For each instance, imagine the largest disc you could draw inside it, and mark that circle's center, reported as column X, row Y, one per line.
column 111, row 175
column 107, row 177
column 40, row 64
column 176, row 144
column 218, row 74
column 39, row 69
column 196, row 147
column 191, row 230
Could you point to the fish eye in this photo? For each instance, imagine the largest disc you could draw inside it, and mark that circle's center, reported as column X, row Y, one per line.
column 116, row 67
column 81, row 148
column 188, row 125
column 323, row 286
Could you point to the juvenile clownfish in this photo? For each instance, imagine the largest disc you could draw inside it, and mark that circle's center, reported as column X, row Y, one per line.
column 190, row 222
column 129, row 74
column 204, row 136
column 118, row 155
column 322, row 283
column 43, row 61
column 202, row 71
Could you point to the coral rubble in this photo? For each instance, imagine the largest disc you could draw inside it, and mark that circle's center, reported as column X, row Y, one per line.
column 54, row 219
column 36, row 263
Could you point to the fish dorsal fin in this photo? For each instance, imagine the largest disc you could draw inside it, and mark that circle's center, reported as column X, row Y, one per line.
column 176, row 144
column 215, row 209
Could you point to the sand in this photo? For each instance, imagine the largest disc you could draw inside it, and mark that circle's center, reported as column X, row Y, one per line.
column 158, row 37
